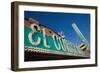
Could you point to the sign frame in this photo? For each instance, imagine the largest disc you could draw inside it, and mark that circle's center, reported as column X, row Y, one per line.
column 15, row 34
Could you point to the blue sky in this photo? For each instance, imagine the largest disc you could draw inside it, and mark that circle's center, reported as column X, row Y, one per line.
column 63, row 22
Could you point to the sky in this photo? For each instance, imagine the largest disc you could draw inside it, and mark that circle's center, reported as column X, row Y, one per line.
column 62, row 22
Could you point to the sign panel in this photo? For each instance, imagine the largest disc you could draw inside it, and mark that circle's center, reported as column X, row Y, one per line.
column 41, row 41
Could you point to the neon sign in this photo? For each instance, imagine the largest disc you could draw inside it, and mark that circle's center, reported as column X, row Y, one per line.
column 36, row 37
